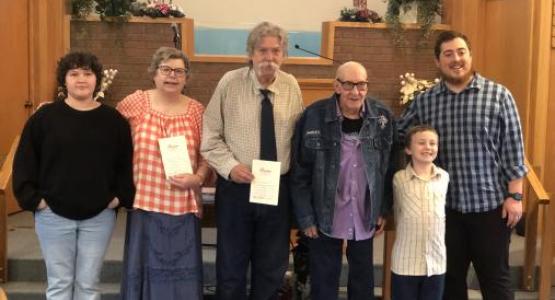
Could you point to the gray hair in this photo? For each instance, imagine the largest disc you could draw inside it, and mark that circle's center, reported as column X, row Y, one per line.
column 267, row 29
column 165, row 53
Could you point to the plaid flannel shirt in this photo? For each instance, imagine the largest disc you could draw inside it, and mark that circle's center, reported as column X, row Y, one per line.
column 480, row 140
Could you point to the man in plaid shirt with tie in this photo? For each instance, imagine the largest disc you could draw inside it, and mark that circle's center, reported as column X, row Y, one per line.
column 481, row 147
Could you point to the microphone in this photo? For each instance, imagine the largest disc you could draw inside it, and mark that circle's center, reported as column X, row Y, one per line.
column 314, row 53
column 176, row 35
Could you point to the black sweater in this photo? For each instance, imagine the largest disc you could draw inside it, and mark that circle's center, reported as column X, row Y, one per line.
column 77, row 161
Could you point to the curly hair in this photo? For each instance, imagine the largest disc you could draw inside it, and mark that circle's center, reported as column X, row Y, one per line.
column 77, row 60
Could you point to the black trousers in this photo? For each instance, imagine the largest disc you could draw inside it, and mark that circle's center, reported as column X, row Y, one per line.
column 325, row 256
column 250, row 233
column 483, row 239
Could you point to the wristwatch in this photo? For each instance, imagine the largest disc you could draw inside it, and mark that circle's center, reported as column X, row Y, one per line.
column 516, row 196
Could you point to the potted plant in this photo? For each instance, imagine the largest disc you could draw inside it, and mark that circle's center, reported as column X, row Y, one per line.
column 427, row 11
column 112, row 9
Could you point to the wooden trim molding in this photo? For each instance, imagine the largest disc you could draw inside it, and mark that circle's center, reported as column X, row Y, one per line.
column 6, row 168
column 326, row 46
column 553, row 26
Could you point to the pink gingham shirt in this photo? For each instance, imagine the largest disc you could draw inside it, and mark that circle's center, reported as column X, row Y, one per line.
column 154, row 192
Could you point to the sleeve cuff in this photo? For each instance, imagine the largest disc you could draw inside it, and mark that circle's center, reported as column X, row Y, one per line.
column 515, row 172
column 225, row 170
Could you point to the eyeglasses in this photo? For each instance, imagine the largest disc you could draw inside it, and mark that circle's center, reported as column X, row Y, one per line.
column 349, row 85
column 166, row 71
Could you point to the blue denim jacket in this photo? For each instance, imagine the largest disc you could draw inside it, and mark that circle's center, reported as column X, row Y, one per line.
column 315, row 161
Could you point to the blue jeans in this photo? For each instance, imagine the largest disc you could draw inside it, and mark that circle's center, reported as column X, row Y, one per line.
column 73, row 252
column 417, row 287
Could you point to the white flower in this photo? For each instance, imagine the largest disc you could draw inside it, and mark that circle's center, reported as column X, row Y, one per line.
column 410, row 86
column 108, row 78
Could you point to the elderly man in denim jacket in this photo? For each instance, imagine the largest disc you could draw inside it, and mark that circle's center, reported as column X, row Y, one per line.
column 340, row 182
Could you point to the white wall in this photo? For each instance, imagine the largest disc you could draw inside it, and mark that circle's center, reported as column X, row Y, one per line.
column 302, row 15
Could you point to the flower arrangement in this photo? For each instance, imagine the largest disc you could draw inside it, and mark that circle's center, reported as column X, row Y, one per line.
column 156, row 9
column 411, row 86
column 107, row 79
column 122, row 9
column 359, row 15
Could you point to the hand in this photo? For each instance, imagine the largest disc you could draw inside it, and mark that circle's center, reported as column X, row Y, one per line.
column 114, row 203
column 311, row 232
column 381, row 226
column 200, row 206
column 512, row 210
column 241, row 174
column 42, row 205
column 185, row 181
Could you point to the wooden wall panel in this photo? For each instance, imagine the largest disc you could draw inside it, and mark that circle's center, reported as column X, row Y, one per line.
column 14, row 70
column 315, row 89
column 550, row 138
column 506, row 41
column 469, row 17
column 49, row 41
column 540, row 85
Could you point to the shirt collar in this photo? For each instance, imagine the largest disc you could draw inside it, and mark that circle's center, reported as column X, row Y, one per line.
column 362, row 112
column 412, row 174
column 257, row 86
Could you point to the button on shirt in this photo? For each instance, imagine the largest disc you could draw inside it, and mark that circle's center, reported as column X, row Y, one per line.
column 480, row 140
column 419, row 207
column 351, row 218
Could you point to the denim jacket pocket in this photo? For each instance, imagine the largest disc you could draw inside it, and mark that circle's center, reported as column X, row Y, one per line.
column 316, row 143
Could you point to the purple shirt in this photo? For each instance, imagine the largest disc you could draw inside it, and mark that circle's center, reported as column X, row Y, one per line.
column 351, row 217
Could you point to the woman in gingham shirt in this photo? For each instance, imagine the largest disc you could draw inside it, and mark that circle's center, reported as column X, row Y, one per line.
column 162, row 257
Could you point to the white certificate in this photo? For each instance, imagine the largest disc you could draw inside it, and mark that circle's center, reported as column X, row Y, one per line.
column 265, row 186
column 175, row 156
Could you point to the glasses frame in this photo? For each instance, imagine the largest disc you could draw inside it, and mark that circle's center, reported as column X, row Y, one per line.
column 167, row 70
column 349, row 85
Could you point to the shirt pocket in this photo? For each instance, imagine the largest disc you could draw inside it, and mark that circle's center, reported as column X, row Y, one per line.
column 438, row 202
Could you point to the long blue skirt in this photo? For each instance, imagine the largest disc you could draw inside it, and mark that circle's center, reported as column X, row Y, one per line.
column 163, row 258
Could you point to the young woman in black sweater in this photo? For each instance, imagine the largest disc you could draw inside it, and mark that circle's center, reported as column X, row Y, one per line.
column 72, row 168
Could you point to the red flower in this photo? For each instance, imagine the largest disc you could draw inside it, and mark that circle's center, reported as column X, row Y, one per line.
column 163, row 8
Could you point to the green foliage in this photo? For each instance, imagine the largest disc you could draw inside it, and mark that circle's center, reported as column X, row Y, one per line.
column 82, row 8
column 427, row 11
column 113, row 8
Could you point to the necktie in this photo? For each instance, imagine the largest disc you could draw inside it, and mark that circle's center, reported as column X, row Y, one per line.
column 267, row 132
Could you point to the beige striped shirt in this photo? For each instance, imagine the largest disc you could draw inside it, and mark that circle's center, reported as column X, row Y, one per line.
column 231, row 124
column 419, row 207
